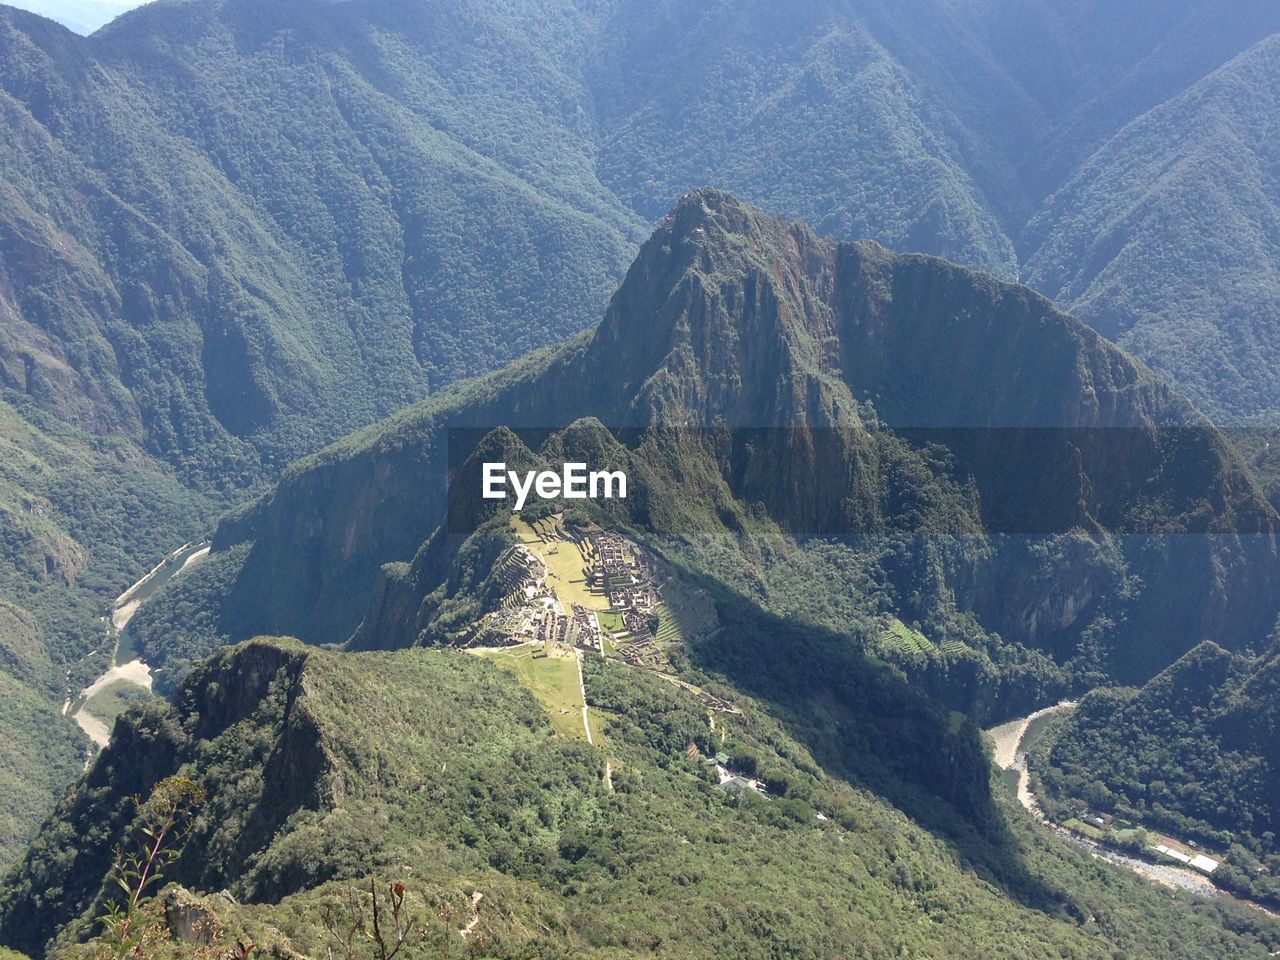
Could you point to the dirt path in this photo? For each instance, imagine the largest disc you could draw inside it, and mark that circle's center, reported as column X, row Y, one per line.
column 582, row 689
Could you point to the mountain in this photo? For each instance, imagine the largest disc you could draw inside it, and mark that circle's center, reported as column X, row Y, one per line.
column 1171, row 186
column 789, row 395
column 1092, row 68
column 1198, row 757
column 193, row 291
column 510, row 840
column 229, row 285
column 234, row 234
column 820, row 478
column 231, row 233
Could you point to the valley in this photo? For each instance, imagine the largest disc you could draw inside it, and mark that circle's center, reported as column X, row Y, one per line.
column 925, row 355
column 128, row 678
column 1012, row 741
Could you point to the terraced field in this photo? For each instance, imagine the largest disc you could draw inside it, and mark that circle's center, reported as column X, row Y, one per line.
column 684, row 613
column 898, row 638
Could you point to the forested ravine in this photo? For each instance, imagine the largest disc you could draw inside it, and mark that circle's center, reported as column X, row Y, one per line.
column 126, row 666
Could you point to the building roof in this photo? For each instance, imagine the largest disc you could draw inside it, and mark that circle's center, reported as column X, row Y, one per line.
column 1172, row 853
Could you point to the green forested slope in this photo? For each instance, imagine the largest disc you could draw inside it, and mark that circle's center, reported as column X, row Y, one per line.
column 1093, row 66
column 1172, row 189
column 1029, row 527
column 842, row 117
column 318, row 212
column 1197, row 756
column 230, row 231
column 272, row 244
column 220, row 254
column 465, row 789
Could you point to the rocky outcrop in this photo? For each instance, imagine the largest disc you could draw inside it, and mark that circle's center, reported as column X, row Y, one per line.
column 747, row 364
column 259, row 686
column 192, row 919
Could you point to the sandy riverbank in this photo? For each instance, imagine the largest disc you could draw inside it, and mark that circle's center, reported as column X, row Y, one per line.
column 135, row 671
column 1010, row 754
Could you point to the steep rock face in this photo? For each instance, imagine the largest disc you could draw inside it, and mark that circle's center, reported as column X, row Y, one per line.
column 259, row 687
column 811, row 379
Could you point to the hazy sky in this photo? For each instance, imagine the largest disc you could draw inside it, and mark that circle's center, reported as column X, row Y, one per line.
column 82, row 16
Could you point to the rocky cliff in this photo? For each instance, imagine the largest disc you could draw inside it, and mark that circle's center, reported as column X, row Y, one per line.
column 752, row 368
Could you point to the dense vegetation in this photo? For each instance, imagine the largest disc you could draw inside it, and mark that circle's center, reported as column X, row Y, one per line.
column 40, row 753
column 1193, row 752
column 232, row 232
column 463, row 789
column 288, row 221
column 1026, row 557
column 1196, row 176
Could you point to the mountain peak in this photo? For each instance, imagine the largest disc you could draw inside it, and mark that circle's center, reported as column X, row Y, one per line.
column 709, row 199
column 709, row 212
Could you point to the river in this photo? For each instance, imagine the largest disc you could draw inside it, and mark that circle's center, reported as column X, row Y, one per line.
column 126, row 665
column 1012, row 740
